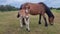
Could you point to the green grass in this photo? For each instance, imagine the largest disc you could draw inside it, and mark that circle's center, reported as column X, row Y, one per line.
column 55, row 10
column 9, row 24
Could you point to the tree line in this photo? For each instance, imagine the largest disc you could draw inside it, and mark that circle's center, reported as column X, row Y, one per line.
column 12, row 8
column 55, row 8
column 8, row 8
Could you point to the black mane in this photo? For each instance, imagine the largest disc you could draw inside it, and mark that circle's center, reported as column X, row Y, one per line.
column 48, row 11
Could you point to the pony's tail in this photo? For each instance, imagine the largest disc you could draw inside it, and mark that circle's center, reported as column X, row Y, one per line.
column 18, row 15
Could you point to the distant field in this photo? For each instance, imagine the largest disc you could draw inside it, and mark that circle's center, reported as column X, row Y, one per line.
column 9, row 24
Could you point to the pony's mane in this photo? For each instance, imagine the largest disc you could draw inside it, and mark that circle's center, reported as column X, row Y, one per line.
column 43, row 4
column 48, row 11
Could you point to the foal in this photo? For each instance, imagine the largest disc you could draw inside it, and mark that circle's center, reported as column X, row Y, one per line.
column 24, row 18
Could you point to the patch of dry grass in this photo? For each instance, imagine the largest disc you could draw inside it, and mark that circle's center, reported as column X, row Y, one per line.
column 9, row 24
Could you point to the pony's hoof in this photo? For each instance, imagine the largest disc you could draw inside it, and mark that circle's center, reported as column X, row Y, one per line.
column 39, row 22
column 28, row 30
column 21, row 27
column 51, row 24
column 46, row 25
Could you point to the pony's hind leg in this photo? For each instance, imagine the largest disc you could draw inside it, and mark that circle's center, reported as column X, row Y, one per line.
column 45, row 20
column 40, row 19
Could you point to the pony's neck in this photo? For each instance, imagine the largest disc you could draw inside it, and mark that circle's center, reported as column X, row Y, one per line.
column 49, row 13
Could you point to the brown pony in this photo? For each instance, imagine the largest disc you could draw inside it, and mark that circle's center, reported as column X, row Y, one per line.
column 35, row 9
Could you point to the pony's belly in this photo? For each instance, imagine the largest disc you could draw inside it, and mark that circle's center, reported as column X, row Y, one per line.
column 34, row 13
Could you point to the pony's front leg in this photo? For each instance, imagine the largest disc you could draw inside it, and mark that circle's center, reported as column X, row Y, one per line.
column 45, row 20
column 21, row 24
column 40, row 19
column 27, row 23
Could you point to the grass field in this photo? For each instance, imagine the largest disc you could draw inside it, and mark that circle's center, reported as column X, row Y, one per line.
column 9, row 24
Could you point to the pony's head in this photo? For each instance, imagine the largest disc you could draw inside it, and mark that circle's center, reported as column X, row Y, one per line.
column 51, row 20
